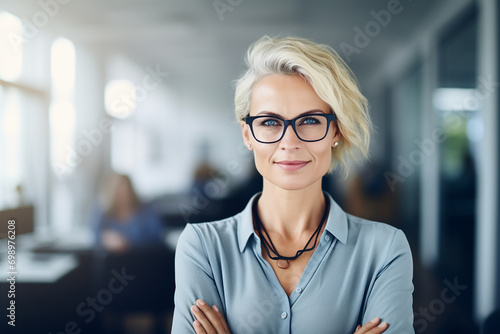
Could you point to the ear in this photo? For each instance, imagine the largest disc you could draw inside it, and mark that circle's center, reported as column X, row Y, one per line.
column 245, row 131
column 337, row 136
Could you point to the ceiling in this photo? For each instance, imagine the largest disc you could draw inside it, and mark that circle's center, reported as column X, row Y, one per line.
column 203, row 49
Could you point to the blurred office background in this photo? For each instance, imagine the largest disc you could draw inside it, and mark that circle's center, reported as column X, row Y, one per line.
column 89, row 88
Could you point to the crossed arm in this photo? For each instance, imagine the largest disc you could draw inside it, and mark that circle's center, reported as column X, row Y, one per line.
column 389, row 296
column 209, row 320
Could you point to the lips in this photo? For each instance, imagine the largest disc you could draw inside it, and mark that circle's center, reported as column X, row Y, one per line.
column 292, row 165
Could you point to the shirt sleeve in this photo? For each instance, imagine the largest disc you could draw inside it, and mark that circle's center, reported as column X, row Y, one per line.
column 390, row 297
column 193, row 280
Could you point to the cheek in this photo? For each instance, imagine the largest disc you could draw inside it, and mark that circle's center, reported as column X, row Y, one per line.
column 323, row 152
column 324, row 157
column 263, row 156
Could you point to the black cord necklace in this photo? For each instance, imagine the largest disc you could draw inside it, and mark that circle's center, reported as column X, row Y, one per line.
column 283, row 261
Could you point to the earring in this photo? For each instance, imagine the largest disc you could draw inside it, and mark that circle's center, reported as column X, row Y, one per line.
column 249, row 146
column 335, row 144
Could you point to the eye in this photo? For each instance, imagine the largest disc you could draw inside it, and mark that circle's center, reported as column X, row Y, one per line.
column 270, row 122
column 310, row 120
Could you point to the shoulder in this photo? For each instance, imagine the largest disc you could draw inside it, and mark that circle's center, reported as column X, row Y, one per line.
column 378, row 238
column 370, row 229
column 210, row 233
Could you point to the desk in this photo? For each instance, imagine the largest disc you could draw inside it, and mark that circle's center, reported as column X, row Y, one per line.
column 172, row 236
column 58, row 278
column 39, row 268
column 47, row 289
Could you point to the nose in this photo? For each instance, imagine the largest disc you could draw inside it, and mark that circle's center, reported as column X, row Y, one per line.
column 290, row 140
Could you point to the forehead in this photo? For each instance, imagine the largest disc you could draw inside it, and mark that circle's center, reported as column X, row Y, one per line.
column 285, row 95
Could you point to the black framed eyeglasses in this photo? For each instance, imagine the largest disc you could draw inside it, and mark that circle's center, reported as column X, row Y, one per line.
column 308, row 128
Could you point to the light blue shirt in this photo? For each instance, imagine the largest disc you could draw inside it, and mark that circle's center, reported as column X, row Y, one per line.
column 360, row 270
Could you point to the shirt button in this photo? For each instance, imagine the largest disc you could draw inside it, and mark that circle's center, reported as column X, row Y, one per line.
column 327, row 237
column 284, row 315
column 298, row 289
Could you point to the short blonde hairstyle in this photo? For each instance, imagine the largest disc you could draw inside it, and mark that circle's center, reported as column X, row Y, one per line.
column 330, row 78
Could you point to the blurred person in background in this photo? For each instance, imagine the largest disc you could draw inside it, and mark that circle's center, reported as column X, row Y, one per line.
column 369, row 196
column 293, row 261
column 123, row 222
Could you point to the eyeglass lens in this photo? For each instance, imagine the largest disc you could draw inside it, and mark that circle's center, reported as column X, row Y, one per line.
column 308, row 128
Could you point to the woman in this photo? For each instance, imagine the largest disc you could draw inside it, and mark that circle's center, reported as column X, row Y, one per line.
column 293, row 261
column 125, row 223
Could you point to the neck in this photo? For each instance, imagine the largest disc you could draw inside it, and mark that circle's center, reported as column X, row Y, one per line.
column 291, row 213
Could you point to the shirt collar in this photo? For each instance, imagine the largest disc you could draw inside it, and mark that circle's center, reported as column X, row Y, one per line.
column 336, row 223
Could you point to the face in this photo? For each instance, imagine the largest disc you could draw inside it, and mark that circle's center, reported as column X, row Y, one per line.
column 290, row 164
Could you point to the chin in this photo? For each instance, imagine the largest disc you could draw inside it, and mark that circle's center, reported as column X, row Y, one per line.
column 290, row 187
column 293, row 182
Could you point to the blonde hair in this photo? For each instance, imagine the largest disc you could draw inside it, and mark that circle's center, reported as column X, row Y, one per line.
column 330, row 78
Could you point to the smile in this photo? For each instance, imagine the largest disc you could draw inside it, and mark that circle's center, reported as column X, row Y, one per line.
column 292, row 165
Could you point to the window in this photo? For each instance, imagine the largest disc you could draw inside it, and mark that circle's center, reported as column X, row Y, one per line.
column 10, row 147
column 11, row 57
column 10, row 115
column 62, row 110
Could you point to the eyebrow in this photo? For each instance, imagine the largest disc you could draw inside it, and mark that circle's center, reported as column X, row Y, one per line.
column 270, row 113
